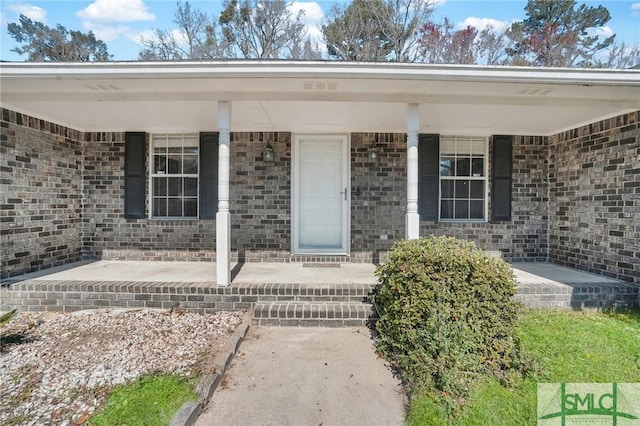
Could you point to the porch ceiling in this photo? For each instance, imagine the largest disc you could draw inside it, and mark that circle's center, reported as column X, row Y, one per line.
column 316, row 96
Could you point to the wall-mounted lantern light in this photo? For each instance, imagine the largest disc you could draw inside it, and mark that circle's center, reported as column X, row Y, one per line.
column 372, row 152
column 267, row 154
column 372, row 155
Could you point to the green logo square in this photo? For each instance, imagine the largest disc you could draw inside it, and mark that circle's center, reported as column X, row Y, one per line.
column 610, row 404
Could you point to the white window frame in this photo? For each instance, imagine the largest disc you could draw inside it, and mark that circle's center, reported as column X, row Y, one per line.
column 484, row 178
column 153, row 175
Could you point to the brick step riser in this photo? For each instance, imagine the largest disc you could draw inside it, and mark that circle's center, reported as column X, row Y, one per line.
column 308, row 299
column 69, row 301
column 282, row 290
column 310, row 322
column 73, row 296
column 309, row 314
column 314, row 311
column 578, row 301
column 306, row 294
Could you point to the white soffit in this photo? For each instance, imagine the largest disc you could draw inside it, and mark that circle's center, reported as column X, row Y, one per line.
column 316, row 96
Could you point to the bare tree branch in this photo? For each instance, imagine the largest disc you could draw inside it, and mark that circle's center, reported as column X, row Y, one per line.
column 265, row 29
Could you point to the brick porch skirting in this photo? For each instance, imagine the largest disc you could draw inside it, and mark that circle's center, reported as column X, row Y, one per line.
column 277, row 304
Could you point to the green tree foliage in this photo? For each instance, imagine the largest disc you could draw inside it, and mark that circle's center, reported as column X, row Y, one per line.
column 44, row 44
column 557, row 34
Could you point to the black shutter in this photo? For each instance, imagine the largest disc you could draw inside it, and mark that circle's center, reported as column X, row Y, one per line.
column 428, row 176
column 501, row 165
column 208, row 175
column 135, row 147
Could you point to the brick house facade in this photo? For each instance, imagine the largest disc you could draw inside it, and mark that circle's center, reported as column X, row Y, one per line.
column 63, row 200
column 575, row 199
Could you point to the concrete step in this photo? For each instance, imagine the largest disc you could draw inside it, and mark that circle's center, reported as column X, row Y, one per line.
column 302, row 293
column 312, row 314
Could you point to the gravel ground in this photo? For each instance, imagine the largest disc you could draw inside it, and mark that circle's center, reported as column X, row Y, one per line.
column 58, row 368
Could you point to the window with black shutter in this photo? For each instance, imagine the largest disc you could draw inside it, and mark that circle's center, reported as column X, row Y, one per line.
column 452, row 182
column 183, row 175
column 174, row 176
column 463, row 178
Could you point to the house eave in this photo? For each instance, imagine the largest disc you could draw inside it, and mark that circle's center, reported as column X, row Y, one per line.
column 323, row 97
column 319, row 69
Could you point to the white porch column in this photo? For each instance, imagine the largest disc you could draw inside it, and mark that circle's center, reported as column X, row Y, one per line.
column 223, row 217
column 413, row 218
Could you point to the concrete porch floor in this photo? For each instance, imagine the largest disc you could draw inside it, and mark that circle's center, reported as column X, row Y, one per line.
column 205, row 273
column 290, row 294
column 277, row 273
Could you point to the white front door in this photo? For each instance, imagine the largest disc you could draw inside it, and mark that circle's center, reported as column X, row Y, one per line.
column 321, row 194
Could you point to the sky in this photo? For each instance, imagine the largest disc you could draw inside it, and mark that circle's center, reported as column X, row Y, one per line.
column 121, row 23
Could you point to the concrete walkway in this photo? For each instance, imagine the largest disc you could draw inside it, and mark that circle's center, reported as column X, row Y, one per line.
column 306, row 376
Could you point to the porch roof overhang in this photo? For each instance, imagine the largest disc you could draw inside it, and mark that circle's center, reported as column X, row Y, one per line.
column 327, row 97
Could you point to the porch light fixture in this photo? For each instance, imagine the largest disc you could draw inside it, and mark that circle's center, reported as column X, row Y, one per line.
column 372, row 152
column 267, row 154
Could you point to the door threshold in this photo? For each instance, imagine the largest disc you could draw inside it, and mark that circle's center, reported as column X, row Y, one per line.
column 320, row 255
column 320, row 265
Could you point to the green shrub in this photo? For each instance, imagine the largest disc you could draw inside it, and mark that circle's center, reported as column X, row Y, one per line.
column 446, row 316
column 5, row 318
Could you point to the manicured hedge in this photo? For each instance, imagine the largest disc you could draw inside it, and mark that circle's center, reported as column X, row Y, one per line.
column 446, row 315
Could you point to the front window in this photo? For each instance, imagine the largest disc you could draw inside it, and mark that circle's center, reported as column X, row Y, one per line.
column 463, row 179
column 174, row 176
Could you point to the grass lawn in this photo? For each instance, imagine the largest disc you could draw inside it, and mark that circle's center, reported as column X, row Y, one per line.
column 149, row 401
column 572, row 347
